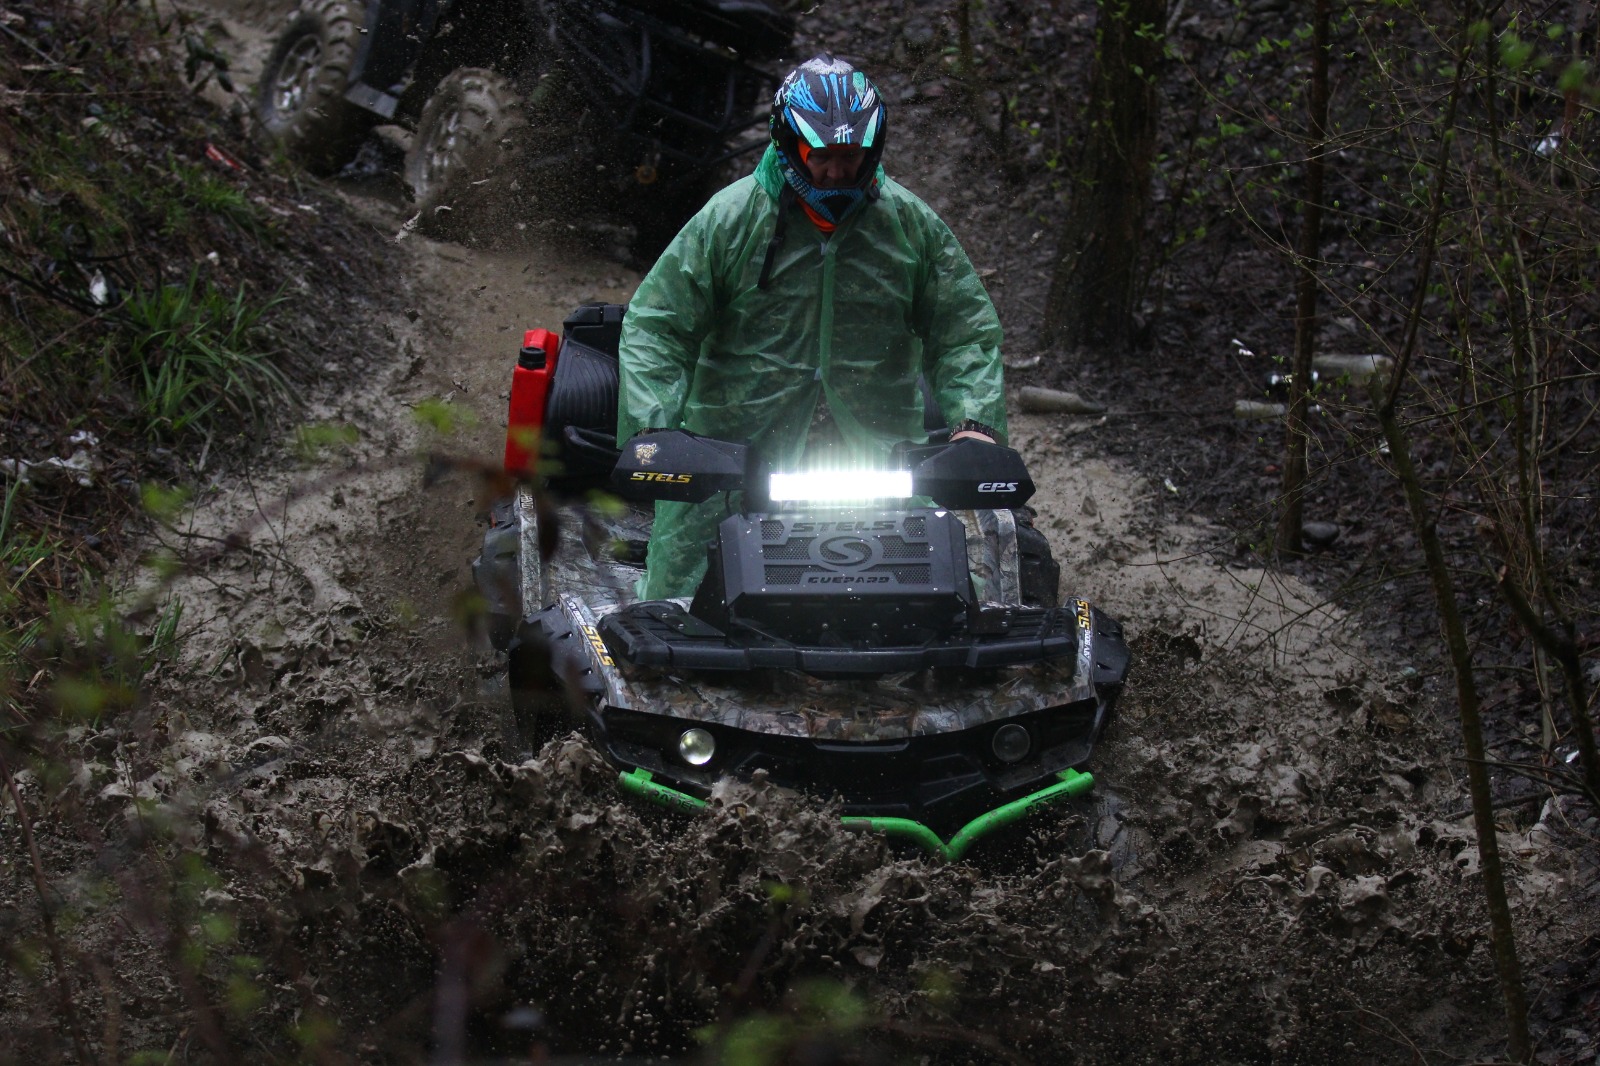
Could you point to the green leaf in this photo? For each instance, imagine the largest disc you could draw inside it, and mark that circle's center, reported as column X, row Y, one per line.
column 442, row 417
column 315, row 1030
column 218, row 928
column 163, row 503
column 313, row 439
column 82, row 697
column 244, row 995
column 1573, row 76
column 1515, row 53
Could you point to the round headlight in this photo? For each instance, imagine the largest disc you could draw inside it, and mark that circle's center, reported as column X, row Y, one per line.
column 696, row 746
column 1011, row 742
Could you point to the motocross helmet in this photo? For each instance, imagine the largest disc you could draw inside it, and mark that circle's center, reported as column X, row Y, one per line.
column 826, row 103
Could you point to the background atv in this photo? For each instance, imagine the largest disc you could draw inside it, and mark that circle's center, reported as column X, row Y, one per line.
column 530, row 106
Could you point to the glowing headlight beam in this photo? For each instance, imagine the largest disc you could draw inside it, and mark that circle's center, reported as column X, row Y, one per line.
column 837, row 485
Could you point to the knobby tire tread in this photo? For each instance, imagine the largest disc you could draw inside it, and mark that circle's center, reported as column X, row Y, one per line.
column 490, row 141
column 324, row 134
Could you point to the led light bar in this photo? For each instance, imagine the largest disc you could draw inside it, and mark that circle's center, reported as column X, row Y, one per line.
column 831, row 486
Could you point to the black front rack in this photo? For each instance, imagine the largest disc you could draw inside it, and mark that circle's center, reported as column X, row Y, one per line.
column 660, row 633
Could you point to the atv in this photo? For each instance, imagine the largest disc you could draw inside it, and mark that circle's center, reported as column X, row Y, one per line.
column 535, row 105
column 900, row 646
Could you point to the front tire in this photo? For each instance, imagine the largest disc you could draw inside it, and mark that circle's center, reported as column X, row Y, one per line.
column 466, row 158
column 300, row 100
column 539, row 705
column 1038, row 573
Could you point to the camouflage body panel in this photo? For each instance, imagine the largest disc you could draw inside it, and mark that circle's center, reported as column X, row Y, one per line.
column 587, row 582
column 992, row 555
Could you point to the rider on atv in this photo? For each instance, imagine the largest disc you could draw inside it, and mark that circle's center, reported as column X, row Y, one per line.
column 800, row 309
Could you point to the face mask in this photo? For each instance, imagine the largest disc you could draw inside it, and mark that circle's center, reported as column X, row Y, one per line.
column 833, row 205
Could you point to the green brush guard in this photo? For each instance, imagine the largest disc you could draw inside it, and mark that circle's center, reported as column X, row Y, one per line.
column 1069, row 783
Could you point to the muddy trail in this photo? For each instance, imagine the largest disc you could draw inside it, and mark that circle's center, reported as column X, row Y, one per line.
column 1278, row 864
column 1265, row 861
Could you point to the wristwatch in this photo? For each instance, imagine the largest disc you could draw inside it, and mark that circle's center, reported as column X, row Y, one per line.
column 972, row 425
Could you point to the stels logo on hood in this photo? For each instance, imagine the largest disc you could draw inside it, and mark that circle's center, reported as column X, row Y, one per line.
column 845, row 552
column 646, row 453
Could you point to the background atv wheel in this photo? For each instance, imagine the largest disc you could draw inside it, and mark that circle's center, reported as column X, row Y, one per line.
column 300, row 98
column 467, row 154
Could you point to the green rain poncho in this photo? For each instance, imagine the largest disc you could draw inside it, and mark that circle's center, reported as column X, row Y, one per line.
column 852, row 319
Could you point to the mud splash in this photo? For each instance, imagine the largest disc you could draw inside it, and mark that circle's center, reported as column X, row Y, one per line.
column 629, row 929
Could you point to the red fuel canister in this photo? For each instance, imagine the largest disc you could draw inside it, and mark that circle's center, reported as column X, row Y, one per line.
column 530, row 384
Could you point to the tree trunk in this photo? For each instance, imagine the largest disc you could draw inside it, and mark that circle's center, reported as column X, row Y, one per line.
column 1502, row 937
column 1094, row 288
column 1305, row 312
column 1385, row 400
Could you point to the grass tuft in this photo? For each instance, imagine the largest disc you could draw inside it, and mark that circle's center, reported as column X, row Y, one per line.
column 196, row 355
column 21, row 553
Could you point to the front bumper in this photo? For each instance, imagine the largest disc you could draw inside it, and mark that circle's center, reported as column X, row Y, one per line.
column 940, row 781
column 1068, row 783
